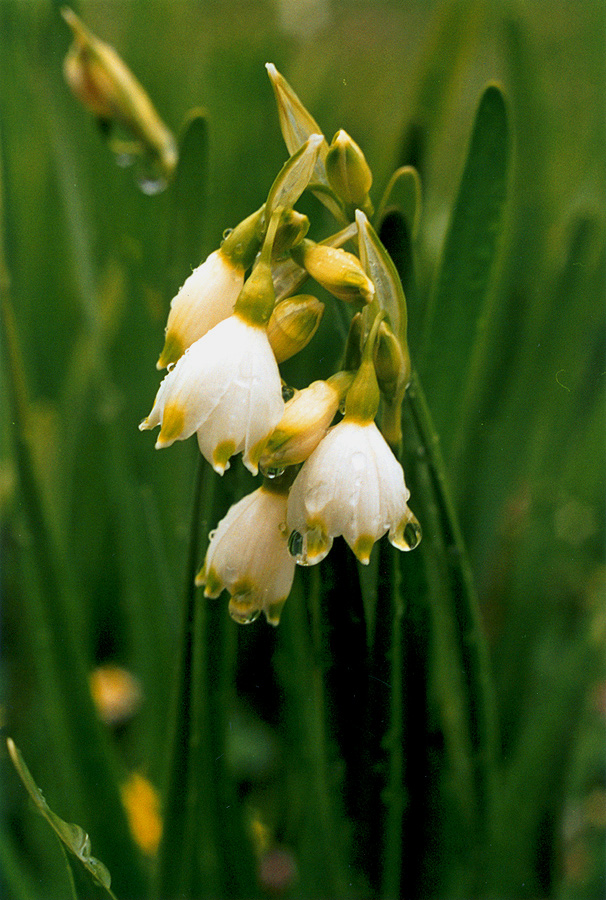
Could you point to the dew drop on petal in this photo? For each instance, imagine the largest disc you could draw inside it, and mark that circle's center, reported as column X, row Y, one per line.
column 287, row 392
column 295, row 545
column 211, row 534
column 412, row 534
column 358, row 462
column 272, row 473
column 226, row 234
column 170, row 366
column 244, row 616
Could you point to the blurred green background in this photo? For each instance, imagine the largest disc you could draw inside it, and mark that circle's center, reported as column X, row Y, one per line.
column 91, row 264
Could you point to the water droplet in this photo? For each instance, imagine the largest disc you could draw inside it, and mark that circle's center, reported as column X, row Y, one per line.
column 412, row 534
column 358, row 462
column 227, row 233
column 272, row 473
column 243, row 615
column 211, row 534
column 125, row 160
column 170, row 366
column 295, row 545
column 342, row 407
column 287, row 392
column 151, row 184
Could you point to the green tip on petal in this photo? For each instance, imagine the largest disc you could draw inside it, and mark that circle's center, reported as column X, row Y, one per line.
column 221, row 456
column 363, row 547
column 173, row 422
column 172, row 351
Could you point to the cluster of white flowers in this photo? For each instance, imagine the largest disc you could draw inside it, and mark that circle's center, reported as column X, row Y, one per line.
column 226, row 335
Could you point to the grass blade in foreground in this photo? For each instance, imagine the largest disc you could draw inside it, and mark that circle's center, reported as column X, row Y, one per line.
column 72, row 836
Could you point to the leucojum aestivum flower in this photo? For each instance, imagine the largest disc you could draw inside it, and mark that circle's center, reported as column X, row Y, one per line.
column 326, row 452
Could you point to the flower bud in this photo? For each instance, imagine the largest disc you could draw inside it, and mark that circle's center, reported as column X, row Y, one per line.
column 296, row 123
column 293, row 324
column 306, row 419
column 292, row 228
column 389, row 362
column 348, row 172
column 338, row 271
column 105, row 86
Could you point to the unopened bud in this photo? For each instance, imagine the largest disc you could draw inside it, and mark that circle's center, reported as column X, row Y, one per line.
column 338, row 271
column 106, row 86
column 307, row 417
column 389, row 362
column 296, row 123
column 292, row 228
column 293, row 324
column 348, row 172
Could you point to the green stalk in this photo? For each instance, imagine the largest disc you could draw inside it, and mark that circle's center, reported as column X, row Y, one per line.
column 174, row 865
column 395, row 794
column 458, row 623
column 322, row 867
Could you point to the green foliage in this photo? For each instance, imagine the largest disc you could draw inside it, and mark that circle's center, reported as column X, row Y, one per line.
column 430, row 726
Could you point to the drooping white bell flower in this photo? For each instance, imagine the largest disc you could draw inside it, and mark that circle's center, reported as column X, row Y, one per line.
column 204, row 299
column 209, row 294
column 351, row 485
column 248, row 556
column 227, row 388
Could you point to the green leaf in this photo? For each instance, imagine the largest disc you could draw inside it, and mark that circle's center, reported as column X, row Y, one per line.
column 73, row 836
column 189, row 195
column 403, row 193
column 461, row 303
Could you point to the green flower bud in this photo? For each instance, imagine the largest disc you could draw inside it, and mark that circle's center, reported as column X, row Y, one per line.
column 338, row 271
column 389, row 362
column 293, row 324
column 348, row 172
column 292, row 229
column 107, row 88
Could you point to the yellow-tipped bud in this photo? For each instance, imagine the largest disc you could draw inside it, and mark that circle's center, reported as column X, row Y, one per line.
column 389, row 362
column 348, row 172
column 307, row 417
column 293, row 324
column 338, row 271
column 105, row 86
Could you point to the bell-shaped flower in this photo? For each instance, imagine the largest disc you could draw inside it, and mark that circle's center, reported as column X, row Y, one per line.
column 205, row 298
column 248, row 556
column 210, row 293
column 351, row 485
column 227, row 389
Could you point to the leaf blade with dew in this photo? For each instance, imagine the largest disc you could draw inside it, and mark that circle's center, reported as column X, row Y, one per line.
column 72, row 836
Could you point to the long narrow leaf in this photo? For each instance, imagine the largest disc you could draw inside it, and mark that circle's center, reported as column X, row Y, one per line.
column 460, row 303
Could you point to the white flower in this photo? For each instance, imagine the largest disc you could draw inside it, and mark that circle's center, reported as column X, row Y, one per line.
column 248, row 555
column 226, row 387
column 351, row 485
column 206, row 298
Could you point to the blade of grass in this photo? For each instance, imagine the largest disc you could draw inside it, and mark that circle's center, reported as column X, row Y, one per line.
column 459, row 654
column 460, row 303
column 79, row 743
